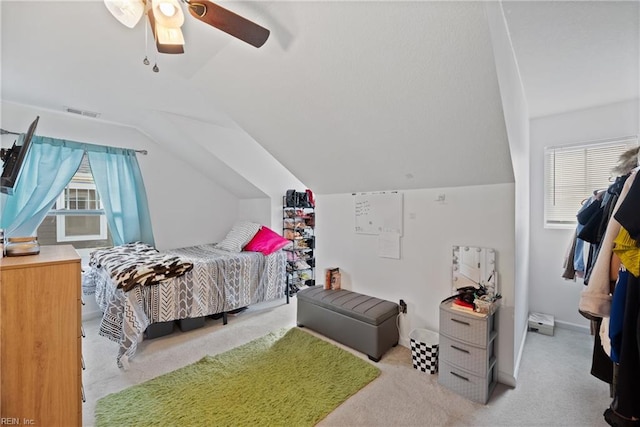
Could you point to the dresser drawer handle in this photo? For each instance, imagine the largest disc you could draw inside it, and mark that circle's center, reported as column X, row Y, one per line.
column 82, row 331
column 82, row 362
column 459, row 349
column 459, row 376
column 461, row 322
column 84, row 398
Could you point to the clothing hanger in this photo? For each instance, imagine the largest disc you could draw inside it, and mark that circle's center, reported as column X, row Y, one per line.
column 596, row 193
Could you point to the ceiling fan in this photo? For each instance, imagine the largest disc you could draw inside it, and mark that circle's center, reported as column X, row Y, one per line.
column 166, row 19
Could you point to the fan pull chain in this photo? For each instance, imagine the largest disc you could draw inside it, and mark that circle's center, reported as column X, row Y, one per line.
column 145, row 61
column 155, row 66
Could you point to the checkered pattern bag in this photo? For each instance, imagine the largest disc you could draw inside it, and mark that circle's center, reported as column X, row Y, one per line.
column 425, row 357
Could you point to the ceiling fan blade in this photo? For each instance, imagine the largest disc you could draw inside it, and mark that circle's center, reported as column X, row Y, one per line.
column 229, row 22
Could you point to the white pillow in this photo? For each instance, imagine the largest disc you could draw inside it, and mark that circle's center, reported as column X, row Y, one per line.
column 241, row 233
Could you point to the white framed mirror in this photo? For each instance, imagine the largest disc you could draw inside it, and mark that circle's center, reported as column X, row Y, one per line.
column 474, row 266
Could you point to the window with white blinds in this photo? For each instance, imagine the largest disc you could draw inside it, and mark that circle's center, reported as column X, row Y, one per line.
column 573, row 173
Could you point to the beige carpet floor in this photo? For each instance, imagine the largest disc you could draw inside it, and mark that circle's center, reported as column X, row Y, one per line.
column 554, row 385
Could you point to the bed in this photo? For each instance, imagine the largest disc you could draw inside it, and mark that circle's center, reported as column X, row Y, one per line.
column 218, row 282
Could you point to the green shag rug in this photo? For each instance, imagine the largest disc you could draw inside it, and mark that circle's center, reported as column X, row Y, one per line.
column 287, row 378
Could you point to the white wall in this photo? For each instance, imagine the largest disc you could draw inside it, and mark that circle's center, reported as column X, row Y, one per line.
column 516, row 117
column 469, row 216
column 259, row 210
column 234, row 147
column 549, row 292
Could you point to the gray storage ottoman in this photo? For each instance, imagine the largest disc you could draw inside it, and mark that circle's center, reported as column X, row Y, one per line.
column 364, row 323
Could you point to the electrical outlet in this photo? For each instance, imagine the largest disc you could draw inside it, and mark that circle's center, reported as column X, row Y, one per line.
column 403, row 306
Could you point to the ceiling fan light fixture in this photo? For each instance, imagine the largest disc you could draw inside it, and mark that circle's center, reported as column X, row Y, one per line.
column 167, row 13
column 127, row 12
column 169, row 35
column 167, row 9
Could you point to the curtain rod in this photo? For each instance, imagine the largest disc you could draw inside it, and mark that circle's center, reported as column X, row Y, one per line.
column 8, row 132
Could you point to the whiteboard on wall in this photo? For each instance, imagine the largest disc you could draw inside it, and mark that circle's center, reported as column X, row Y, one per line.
column 378, row 213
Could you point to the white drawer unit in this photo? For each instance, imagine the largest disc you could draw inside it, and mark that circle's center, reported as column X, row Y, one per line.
column 476, row 360
column 473, row 387
column 467, row 353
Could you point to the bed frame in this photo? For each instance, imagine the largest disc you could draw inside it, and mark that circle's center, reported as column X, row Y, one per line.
column 221, row 282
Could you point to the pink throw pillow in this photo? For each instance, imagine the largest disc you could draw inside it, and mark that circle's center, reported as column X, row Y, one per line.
column 266, row 241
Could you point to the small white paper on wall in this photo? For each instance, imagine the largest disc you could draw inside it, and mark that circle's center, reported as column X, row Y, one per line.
column 389, row 245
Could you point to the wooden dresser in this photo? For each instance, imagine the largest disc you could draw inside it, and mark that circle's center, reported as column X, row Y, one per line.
column 40, row 338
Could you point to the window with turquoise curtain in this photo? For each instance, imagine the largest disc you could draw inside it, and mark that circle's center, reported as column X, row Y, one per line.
column 48, row 168
column 77, row 217
column 50, row 165
column 117, row 176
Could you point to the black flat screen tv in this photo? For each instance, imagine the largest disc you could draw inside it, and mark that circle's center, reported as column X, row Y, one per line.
column 13, row 159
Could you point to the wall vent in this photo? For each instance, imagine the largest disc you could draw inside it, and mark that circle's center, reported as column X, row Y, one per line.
column 81, row 112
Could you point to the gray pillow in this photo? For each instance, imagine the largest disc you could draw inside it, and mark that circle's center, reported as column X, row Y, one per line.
column 241, row 233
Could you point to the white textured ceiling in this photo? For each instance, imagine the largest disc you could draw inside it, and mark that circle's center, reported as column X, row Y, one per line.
column 577, row 54
column 373, row 95
column 348, row 96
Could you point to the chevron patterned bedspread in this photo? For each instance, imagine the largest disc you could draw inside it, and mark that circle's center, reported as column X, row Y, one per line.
column 219, row 281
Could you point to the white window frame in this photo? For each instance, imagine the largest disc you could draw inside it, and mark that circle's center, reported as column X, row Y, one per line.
column 573, row 172
column 61, row 211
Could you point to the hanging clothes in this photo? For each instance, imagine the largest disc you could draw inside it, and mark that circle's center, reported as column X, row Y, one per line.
column 596, row 224
column 626, row 402
column 617, row 315
column 590, row 211
column 596, row 299
column 593, row 218
column 570, row 271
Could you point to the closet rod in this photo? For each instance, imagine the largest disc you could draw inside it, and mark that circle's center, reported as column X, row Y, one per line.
column 8, row 132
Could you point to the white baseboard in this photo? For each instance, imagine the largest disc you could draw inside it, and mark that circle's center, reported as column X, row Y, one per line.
column 573, row 326
column 506, row 379
column 512, row 380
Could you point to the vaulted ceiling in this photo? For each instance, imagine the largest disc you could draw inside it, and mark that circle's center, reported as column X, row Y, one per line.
column 348, row 96
column 577, row 54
